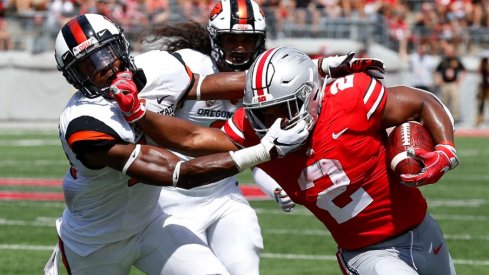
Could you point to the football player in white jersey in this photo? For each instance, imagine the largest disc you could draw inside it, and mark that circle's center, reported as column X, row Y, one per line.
column 112, row 220
column 218, row 213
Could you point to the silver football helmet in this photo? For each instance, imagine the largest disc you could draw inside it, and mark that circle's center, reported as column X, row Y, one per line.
column 285, row 78
column 87, row 45
column 238, row 22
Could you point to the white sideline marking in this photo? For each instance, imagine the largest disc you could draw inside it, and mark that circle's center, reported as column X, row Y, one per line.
column 263, row 255
column 321, row 232
column 26, row 247
column 300, row 211
column 473, row 203
column 30, row 142
column 39, row 162
column 43, row 223
column 38, row 204
column 333, row 258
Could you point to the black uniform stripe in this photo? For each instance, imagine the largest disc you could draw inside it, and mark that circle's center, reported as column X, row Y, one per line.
column 71, row 31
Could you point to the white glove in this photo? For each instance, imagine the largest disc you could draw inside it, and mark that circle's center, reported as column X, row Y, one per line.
column 284, row 141
column 283, row 200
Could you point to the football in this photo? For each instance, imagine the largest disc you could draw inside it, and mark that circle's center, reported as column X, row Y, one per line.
column 402, row 137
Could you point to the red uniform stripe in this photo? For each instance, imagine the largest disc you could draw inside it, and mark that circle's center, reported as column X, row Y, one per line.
column 77, row 31
column 260, row 69
column 341, row 263
column 242, row 12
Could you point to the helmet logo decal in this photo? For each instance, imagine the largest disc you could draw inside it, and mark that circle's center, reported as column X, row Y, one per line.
column 242, row 27
column 261, row 98
column 85, row 45
column 216, row 11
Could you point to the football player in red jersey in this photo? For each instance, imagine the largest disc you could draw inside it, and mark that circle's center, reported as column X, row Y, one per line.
column 341, row 175
column 381, row 226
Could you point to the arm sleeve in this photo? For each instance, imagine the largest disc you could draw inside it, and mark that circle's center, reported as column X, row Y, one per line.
column 266, row 183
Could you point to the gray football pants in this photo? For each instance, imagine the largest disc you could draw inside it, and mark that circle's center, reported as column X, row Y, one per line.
column 422, row 250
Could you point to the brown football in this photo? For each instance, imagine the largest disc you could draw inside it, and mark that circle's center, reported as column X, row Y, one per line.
column 408, row 134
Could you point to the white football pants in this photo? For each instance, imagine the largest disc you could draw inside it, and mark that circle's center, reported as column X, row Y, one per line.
column 224, row 220
column 164, row 247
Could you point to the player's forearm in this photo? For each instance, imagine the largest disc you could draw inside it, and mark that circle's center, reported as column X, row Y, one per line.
column 157, row 166
column 437, row 120
column 407, row 103
column 205, row 170
column 208, row 141
column 228, row 85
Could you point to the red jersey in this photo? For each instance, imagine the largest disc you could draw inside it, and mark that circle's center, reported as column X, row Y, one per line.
column 341, row 175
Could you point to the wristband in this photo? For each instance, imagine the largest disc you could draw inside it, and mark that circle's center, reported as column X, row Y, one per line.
column 132, row 158
column 199, row 83
column 319, row 63
column 249, row 157
column 176, row 173
column 450, row 152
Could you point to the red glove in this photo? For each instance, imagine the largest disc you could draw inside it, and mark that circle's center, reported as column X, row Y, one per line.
column 371, row 66
column 436, row 163
column 125, row 93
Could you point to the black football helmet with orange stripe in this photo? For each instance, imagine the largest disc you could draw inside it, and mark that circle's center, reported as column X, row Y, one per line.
column 237, row 30
column 89, row 44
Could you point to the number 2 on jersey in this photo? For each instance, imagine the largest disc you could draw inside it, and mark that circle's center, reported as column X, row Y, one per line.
column 332, row 168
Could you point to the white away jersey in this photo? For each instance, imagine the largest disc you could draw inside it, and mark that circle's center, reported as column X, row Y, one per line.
column 101, row 207
column 210, row 113
column 168, row 80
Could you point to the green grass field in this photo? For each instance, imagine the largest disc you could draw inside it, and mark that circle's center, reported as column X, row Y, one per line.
column 295, row 243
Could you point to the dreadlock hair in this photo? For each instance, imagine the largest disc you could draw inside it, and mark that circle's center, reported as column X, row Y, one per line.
column 177, row 36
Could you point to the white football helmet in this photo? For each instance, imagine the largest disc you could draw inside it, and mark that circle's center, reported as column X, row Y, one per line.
column 94, row 41
column 236, row 17
column 282, row 76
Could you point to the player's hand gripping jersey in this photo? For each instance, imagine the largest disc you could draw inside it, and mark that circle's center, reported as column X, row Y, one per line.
column 341, row 175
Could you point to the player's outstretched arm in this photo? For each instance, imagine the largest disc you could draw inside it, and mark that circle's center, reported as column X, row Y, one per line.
column 224, row 85
column 158, row 166
column 334, row 67
column 169, row 132
column 273, row 189
column 183, row 136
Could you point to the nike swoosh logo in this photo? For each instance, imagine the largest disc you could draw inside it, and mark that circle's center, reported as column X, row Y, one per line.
column 437, row 250
column 337, row 135
column 160, row 99
column 102, row 32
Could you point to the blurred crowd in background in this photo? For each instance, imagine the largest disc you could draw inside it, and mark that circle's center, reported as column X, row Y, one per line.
column 429, row 35
column 401, row 24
